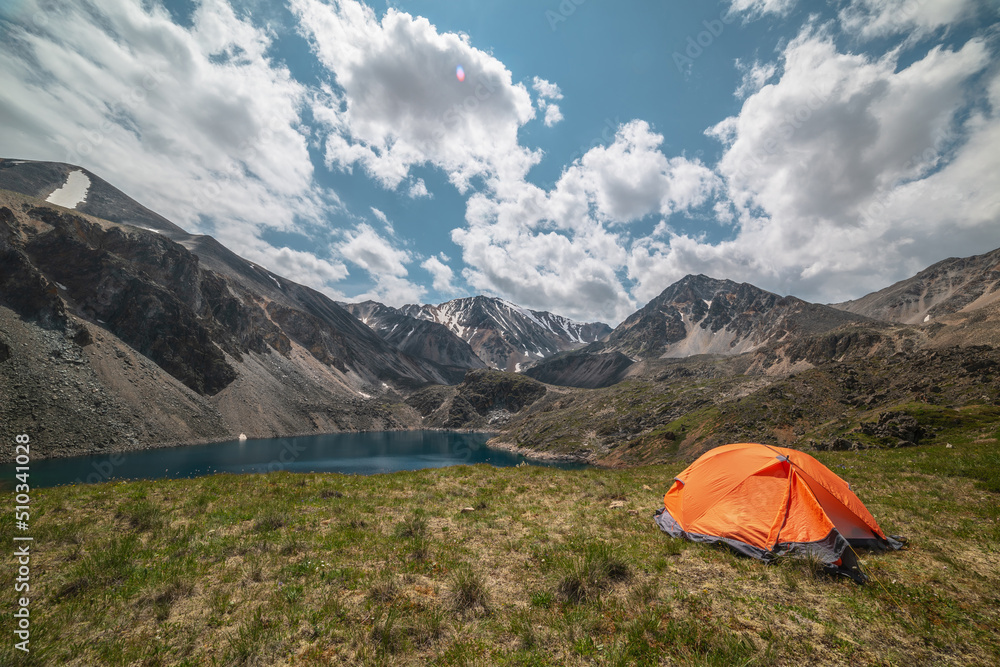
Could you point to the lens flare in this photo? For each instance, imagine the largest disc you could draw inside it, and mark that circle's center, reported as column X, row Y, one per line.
column 460, row 73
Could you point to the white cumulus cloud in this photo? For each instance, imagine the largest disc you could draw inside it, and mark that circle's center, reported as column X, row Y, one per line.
column 755, row 76
column 441, row 273
column 847, row 173
column 552, row 113
column 761, row 7
column 546, row 89
column 631, row 178
column 562, row 250
column 373, row 253
column 385, row 263
column 877, row 18
column 418, row 189
column 400, row 104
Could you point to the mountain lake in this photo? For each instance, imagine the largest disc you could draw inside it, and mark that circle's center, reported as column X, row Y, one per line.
column 365, row 453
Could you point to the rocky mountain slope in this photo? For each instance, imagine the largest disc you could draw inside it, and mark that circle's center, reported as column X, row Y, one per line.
column 956, row 285
column 587, row 370
column 816, row 382
column 702, row 315
column 507, row 336
column 485, row 399
column 870, row 390
column 696, row 315
column 114, row 336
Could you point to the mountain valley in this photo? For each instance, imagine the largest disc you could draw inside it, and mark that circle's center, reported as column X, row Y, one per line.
column 119, row 330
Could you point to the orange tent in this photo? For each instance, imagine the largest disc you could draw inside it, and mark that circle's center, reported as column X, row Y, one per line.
column 768, row 501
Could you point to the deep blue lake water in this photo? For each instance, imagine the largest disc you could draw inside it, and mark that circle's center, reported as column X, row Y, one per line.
column 354, row 453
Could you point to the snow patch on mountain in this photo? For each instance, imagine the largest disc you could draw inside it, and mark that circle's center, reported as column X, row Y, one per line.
column 73, row 192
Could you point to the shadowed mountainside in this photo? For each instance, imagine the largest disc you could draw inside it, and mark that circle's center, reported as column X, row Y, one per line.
column 147, row 340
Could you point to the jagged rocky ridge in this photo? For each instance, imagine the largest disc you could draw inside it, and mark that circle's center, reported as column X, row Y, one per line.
column 501, row 334
column 702, row 315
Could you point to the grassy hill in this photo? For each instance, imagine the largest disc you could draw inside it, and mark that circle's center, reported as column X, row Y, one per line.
column 517, row 566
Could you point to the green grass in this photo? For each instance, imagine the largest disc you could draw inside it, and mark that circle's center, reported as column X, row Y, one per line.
column 550, row 568
column 586, row 574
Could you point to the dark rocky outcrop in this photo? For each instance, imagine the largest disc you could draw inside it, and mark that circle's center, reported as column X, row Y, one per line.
column 836, row 345
column 461, row 414
column 488, row 390
column 429, row 399
column 485, row 398
column 22, row 287
column 896, row 428
column 582, row 369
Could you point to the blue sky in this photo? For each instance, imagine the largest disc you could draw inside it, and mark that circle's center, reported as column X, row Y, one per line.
column 593, row 154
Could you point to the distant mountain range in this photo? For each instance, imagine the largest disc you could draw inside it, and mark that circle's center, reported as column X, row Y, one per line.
column 695, row 315
column 417, row 337
column 118, row 329
column 501, row 334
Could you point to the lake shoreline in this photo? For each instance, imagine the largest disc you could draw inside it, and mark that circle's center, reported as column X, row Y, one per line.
column 350, row 453
column 38, row 454
column 535, row 454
